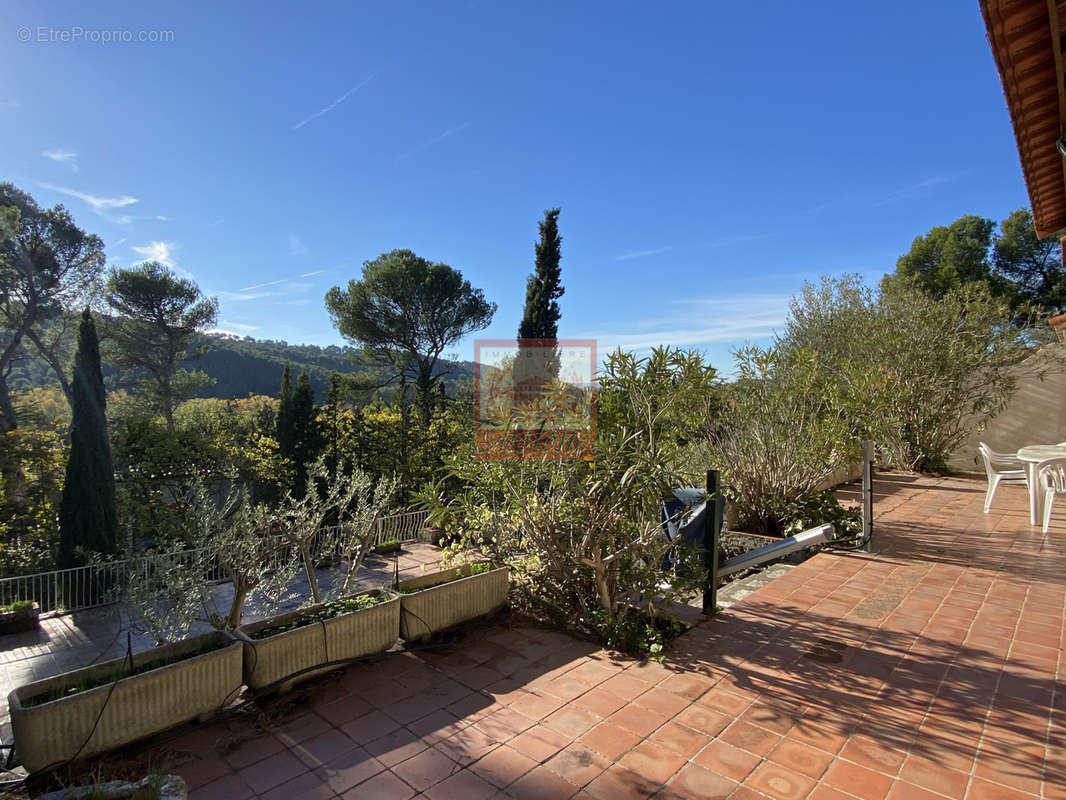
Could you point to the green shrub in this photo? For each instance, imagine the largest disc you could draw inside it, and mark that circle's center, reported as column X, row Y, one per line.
column 820, row 509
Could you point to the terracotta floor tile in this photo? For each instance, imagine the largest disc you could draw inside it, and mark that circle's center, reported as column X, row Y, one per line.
column 858, row 781
column 779, row 782
column 578, row 764
column 349, row 769
column 928, row 775
column 369, row 727
column 307, row 786
column 384, row 786
column 436, row 726
column 802, row 758
column 730, row 761
column 750, row 737
column 296, row 729
column 502, row 766
column 572, row 721
column 666, row 703
column 274, row 771
column 724, row 702
column 610, row 740
column 465, row 785
column 252, row 750
column 600, row 701
column 318, row 750
column 873, row 754
column 392, row 748
column 539, row 743
column 981, row 789
column 901, row 790
column 681, row 739
column 541, row 783
column 426, row 769
column 537, row 705
column 625, row 686
column 704, row 720
column 343, row 710
column 619, row 783
column 698, row 783
column 467, row 746
column 652, row 762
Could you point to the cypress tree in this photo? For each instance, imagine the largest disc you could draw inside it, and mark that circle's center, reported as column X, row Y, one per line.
column 286, row 438
column 304, row 430
column 88, row 518
column 543, row 290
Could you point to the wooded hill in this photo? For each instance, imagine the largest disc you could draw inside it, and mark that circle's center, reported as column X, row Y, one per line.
column 240, row 367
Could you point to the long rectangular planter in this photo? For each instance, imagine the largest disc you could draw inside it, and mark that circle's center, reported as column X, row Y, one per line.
column 132, row 708
column 440, row 600
column 267, row 662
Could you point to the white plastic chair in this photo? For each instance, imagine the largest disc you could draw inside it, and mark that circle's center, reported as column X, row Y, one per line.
column 1000, row 468
column 1052, row 476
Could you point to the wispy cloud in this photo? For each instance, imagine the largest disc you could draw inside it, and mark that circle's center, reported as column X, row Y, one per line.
column 311, row 274
column 326, row 109
column 98, row 203
column 263, row 285
column 230, row 328
column 435, row 140
column 700, row 322
column 640, row 254
column 917, row 189
column 9, row 105
column 296, row 246
column 163, row 252
column 67, row 158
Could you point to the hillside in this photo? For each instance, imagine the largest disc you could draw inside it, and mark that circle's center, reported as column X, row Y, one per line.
column 240, row 367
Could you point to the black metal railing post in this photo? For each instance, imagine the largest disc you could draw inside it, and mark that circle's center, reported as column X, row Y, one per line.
column 711, row 533
column 867, row 495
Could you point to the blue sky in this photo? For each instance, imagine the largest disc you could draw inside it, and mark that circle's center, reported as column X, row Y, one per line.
column 708, row 158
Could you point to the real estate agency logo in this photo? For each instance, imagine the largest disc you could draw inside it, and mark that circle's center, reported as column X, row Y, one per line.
column 535, row 399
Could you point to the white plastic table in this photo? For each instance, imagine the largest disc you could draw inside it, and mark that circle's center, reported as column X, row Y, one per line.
column 1031, row 456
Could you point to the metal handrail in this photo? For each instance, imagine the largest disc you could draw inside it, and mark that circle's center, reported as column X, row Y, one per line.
column 95, row 585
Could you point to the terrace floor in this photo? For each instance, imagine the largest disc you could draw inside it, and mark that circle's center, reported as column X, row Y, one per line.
column 69, row 641
column 931, row 669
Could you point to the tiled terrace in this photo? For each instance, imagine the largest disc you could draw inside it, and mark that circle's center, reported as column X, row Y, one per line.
column 931, row 670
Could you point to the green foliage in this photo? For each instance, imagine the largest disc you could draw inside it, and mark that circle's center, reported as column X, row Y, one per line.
column 307, row 439
column 320, row 613
column 47, row 265
column 912, row 373
column 88, row 517
column 34, row 460
column 821, row 509
column 404, row 313
column 780, row 435
column 1013, row 263
column 159, row 314
column 18, row 605
column 584, row 540
column 632, row 631
column 1029, row 269
column 949, row 256
column 540, row 319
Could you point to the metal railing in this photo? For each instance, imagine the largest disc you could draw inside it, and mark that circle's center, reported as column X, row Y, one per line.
column 95, row 585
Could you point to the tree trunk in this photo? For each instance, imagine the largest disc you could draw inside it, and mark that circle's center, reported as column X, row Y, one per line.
column 49, row 355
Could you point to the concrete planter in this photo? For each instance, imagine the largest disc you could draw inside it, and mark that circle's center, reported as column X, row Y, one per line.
column 132, row 708
column 440, row 600
column 20, row 621
column 1058, row 324
column 268, row 662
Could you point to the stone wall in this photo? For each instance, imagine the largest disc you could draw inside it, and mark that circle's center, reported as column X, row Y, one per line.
column 1036, row 414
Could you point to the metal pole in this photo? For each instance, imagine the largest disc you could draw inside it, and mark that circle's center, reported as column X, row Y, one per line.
column 711, row 532
column 867, row 494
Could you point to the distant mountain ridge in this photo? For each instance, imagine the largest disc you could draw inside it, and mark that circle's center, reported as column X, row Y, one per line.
column 240, row 367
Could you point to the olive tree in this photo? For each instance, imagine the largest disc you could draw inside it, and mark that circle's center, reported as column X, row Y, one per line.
column 912, row 372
